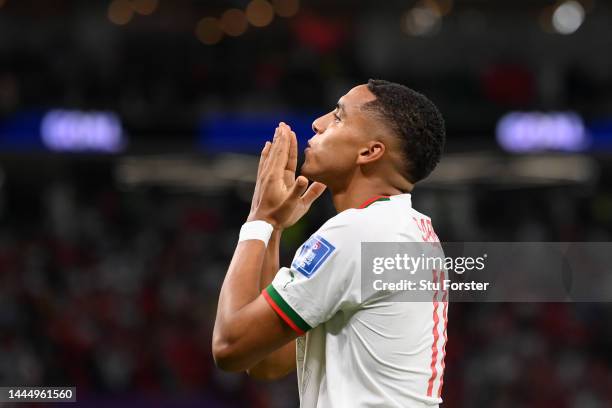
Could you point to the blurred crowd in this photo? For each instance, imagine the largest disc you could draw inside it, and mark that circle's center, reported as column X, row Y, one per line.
column 115, row 292
column 116, row 295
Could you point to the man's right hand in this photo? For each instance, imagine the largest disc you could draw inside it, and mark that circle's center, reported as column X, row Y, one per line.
column 280, row 198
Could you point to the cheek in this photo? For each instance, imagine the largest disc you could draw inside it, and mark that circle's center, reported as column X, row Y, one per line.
column 335, row 152
column 335, row 141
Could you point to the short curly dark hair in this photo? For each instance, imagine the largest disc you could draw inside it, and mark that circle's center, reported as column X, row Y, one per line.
column 415, row 120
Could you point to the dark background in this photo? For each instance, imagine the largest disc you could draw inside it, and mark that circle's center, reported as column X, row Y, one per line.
column 111, row 261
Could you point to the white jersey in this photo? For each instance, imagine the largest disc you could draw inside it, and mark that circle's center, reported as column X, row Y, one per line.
column 354, row 353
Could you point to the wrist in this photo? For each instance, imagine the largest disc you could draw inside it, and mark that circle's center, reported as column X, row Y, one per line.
column 258, row 217
column 256, row 230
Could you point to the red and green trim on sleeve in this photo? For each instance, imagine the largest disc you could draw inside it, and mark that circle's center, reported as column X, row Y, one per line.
column 285, row 311
column 372, row 200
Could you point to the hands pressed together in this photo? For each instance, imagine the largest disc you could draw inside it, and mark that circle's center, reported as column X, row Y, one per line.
column 280, row 198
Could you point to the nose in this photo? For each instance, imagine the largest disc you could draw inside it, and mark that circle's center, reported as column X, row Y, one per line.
column 318, row 126
column 315, row 127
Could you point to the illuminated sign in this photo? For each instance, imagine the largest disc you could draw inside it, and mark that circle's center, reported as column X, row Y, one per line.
column 78, row 131
column 520, row 132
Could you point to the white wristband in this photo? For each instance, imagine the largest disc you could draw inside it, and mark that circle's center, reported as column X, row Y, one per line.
column 260, row 230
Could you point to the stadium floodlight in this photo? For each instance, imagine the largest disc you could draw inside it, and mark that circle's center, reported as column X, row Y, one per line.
column 424, row 19
column 568, row 17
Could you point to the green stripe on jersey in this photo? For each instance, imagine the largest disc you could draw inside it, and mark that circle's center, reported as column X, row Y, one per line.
column 380, row 199
column 288, row 310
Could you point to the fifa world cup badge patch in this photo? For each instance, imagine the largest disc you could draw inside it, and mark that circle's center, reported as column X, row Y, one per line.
column 312, row 255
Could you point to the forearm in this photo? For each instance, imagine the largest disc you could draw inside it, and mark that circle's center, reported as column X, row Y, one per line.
column 246, row 328
column 240, row 287
column 282, row 361
column 271, row 260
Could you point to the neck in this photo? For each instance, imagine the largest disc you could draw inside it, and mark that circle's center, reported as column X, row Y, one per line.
column 355, row 194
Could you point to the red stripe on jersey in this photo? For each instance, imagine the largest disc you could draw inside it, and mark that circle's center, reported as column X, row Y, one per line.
column 434, row 346
column 444, row 316
column 371, row 200
column 282, row 314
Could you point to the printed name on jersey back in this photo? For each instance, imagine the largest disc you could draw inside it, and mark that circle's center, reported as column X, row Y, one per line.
column 312, row 255
column 427, row 232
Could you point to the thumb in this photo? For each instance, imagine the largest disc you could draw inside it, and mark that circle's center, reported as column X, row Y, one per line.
column 298, row 187
column 314, row 191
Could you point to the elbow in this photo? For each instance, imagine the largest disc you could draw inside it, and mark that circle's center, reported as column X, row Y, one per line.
column 226, row 357
column 226, row 350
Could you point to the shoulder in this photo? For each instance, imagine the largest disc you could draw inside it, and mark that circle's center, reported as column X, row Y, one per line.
column 348, row 229
column 347, row 226
column 345, row 219
column 384, row 221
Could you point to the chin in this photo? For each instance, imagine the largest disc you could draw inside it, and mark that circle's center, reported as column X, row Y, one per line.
column 316, row 173
column 316, row 177
column 307, row 172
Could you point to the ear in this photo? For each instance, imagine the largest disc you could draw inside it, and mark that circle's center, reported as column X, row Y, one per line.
column 373, row 151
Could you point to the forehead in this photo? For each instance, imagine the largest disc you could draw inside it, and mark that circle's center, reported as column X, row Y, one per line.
column 356, row 97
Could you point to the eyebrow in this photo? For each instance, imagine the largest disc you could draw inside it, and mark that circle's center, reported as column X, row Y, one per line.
column 340, row 107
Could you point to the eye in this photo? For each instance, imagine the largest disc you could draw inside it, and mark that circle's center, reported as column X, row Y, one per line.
column 336, row 117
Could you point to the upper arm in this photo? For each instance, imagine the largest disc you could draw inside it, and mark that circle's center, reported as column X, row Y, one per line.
column 250, row 335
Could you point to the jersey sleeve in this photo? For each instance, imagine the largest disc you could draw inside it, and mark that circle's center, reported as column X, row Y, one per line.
column 323, row 279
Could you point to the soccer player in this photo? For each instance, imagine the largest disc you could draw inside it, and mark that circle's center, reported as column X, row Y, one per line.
column 369, row 152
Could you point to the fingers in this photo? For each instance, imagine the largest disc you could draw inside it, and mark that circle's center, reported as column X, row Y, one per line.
column 279, row 151
column 314, row 191
column 293, row 149
column 289, row 173
column 265, row 152
column 298, row 188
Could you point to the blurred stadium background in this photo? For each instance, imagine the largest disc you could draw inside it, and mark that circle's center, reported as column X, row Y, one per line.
column 128, row 134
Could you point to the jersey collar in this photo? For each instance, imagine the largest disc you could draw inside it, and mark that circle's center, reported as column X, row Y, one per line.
column 372, row 200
